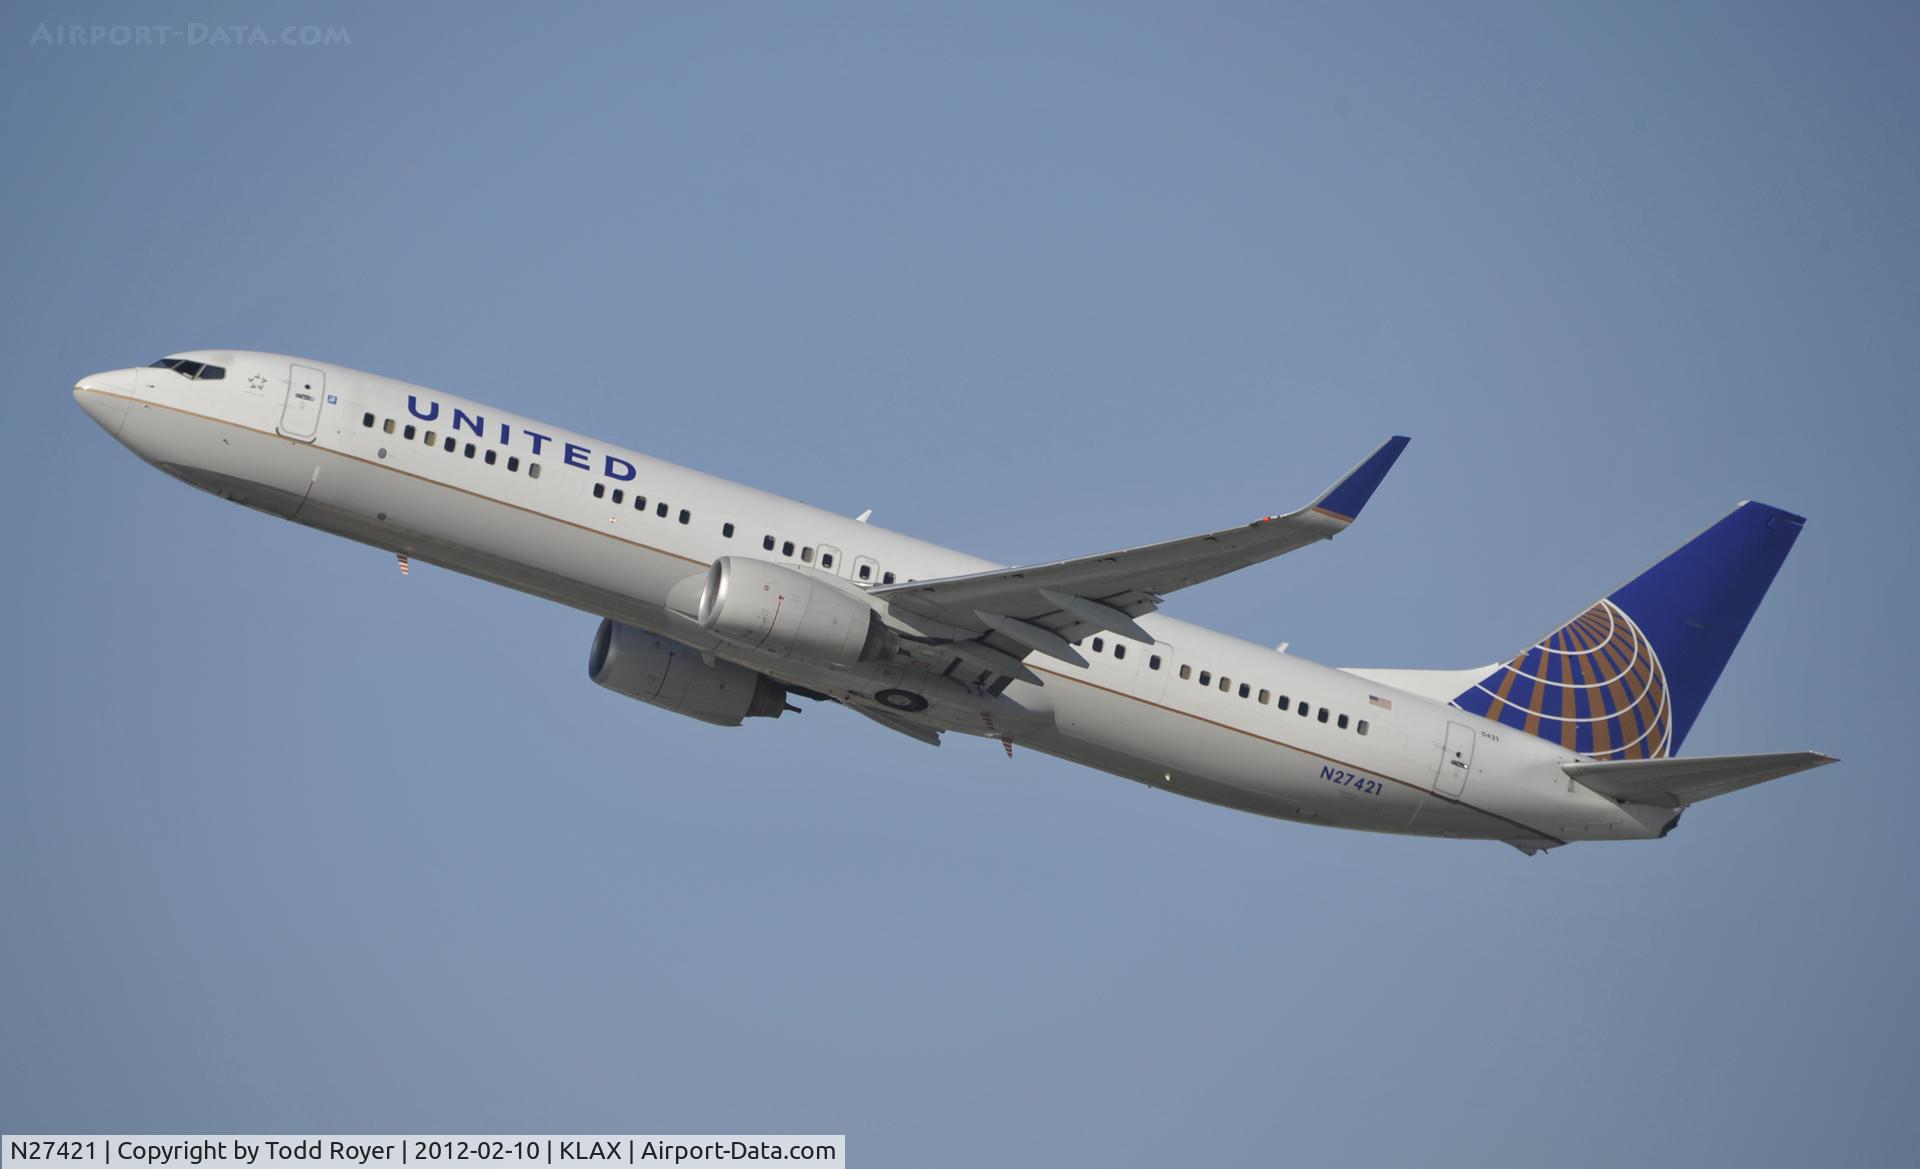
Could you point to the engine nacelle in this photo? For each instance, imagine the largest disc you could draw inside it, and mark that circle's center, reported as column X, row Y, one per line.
column 776, row 610
column 666, row 673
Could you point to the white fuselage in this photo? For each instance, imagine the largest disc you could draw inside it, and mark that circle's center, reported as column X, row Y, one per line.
column 291, row 437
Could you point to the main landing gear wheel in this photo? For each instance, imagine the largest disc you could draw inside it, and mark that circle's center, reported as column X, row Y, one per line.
column 904, row 700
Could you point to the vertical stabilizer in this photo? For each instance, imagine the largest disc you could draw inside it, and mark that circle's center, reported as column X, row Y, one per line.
column 1626, row 678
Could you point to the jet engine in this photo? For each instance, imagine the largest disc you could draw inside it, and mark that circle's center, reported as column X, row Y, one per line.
column 776, row 610
column 666, row 673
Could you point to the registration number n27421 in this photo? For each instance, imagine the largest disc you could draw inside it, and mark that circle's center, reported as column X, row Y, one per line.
column 1344, row 778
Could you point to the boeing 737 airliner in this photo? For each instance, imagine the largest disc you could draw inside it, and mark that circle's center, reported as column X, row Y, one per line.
column 723, row 602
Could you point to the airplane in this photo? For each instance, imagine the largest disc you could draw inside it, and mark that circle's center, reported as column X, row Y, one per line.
column 724, row 602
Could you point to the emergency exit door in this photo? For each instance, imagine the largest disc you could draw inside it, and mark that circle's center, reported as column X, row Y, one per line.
column 306, row 394
column 1150, row 675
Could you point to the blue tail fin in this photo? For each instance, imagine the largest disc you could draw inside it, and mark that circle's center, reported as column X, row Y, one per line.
column 1626, row 678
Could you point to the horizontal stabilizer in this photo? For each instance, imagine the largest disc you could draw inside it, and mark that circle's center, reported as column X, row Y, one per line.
column 1675, row 783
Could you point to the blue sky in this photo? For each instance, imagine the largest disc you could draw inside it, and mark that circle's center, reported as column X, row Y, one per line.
column 288, row 842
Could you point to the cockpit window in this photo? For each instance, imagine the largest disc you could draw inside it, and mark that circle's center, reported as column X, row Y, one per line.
column 195, row 370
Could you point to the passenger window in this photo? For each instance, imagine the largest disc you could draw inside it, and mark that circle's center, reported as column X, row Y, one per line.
column 1361, row 726
column 366, row 420
column 388, row 427
column 726, row 530
column 492, row 456
column 449, row 444
column 599, row 490
column 806, row 554
column 469, row 451
column 430, row 438
column 533, row 470
column 886, row 578
column 513, row 462
column 619, row 495
column 1323, row 714
column 1119, row 650
column 1226, row 683
column 767, row 543
column 1186, row 672
column 1245, row 690
column 786, row 548
column 1282, row 704
column 866, row 572
column 1342, row 720
column 639, row 503
column 1099, row 645
column 685, row 515
column 660, row 510
column 1153, row 662
column 408, row 432
column 826, row 560
column 1206, row 677
column 1263, row 697
column 1306, row 711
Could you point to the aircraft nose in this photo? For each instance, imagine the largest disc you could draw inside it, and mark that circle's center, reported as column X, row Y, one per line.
column 104, row 396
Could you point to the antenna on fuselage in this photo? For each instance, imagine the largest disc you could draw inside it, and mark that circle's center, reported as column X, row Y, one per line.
column 864, row 516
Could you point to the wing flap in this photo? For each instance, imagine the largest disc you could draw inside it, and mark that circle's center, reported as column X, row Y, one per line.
column 1675, row 783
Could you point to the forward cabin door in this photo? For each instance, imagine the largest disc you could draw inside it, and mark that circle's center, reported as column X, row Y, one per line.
column 306, row 394
column 1456, row 762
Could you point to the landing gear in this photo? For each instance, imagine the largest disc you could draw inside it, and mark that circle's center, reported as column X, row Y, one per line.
column 901, row 700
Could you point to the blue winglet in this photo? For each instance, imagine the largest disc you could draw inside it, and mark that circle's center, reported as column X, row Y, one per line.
column 1345, row 499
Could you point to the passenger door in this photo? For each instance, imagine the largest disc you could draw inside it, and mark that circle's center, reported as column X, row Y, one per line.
column 306, row 396
column 1456, row 762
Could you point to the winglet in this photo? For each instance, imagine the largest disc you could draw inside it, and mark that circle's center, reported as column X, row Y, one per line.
column 1344, row 499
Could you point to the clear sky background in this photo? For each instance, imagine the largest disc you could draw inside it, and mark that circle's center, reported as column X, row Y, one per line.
column 289, row 842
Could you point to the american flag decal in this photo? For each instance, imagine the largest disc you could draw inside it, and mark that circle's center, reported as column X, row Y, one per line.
column 402, row 558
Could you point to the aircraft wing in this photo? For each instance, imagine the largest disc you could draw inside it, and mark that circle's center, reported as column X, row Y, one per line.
column 991, row 620
column 1675, row 783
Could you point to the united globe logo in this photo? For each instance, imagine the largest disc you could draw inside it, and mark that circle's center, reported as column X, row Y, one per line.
column 1594, row 686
